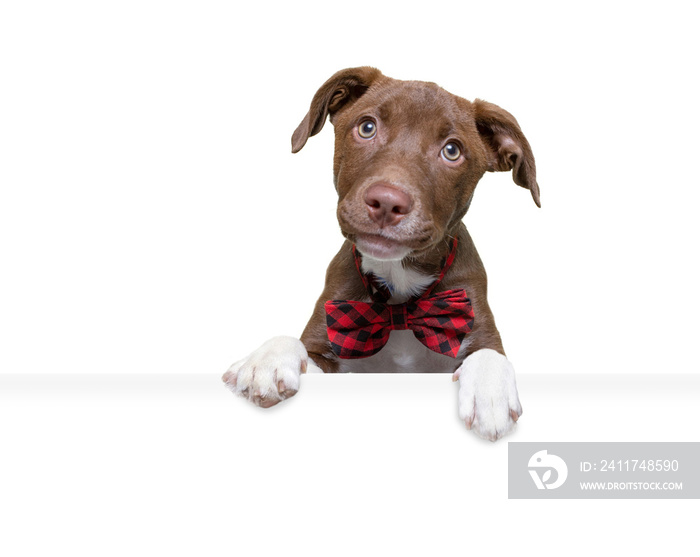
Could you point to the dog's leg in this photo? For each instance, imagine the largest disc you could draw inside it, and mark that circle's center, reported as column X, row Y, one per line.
column 271, row 373
column 488, row 396
column 320, row 355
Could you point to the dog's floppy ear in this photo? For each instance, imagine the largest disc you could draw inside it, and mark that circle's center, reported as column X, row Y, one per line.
column 344, row 87
column 506, row 145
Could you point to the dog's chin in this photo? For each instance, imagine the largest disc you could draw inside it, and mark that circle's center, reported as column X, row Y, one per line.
column 381, row 248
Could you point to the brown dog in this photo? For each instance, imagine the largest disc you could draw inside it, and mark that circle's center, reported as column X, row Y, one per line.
column 408, row 156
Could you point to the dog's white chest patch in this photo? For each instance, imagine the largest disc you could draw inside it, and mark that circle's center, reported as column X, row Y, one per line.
column 404, row 282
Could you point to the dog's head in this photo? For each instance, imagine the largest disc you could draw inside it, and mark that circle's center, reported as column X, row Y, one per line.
column 408, row 156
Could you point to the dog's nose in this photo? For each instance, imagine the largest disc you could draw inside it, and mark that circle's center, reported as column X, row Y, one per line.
column 386, row 204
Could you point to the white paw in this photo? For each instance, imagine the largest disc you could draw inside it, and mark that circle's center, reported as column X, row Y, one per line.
column 271, row 373
column 488, row 396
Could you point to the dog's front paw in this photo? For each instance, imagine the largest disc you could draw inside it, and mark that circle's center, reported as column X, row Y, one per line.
column 488, row 396
column 271, row 373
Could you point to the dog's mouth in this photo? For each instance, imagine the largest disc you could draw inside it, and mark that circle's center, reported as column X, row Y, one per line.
column 389, row 243
column 381, row 247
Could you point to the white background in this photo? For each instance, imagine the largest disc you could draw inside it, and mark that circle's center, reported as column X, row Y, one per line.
column 153, row 219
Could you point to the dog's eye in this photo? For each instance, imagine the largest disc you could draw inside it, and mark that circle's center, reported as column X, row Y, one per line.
column 367, row 129
column 451, row 152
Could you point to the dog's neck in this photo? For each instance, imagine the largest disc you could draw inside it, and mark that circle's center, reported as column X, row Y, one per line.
column 406, row 277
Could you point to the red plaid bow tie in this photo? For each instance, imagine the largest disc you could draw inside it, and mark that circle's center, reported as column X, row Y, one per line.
column 439, row 321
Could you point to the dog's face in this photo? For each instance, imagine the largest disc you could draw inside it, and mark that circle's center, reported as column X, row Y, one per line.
column 408, row 156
